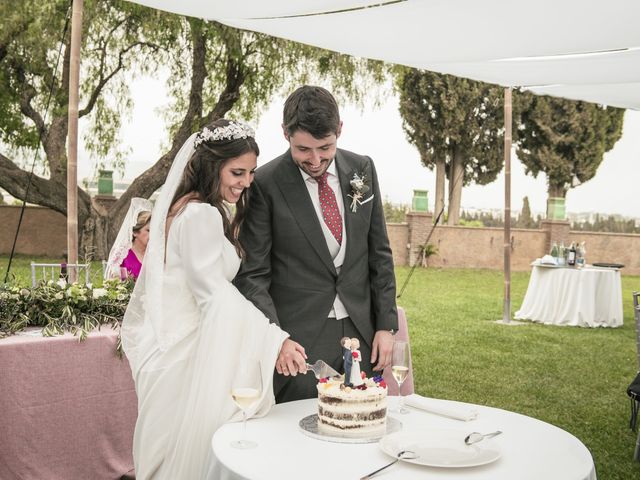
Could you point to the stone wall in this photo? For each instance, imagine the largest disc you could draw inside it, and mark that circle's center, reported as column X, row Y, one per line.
column 43, row 231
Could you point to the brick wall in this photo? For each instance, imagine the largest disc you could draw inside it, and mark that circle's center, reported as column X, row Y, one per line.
column 43, row 231
column 467, row 247
column 612, row 248
column 399, row 240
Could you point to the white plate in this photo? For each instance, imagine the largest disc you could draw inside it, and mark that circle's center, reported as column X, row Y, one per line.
column 440, row 448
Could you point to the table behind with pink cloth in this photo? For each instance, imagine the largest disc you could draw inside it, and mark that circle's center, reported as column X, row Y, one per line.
column 67, row 408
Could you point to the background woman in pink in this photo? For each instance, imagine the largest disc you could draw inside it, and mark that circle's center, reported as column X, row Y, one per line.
column 140, row 237
column 130, row 246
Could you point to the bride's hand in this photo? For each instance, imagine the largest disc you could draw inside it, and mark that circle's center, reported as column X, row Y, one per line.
column 292, row 359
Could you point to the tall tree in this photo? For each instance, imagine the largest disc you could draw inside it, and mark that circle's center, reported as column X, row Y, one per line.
column 34, row 74
column 566, row 140
column 214, row 71
column 525, row 220
column 457, row 126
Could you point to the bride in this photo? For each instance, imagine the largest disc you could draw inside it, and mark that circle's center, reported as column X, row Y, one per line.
column 187, row 329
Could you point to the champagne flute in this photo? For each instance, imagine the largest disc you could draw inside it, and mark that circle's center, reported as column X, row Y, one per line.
column 400, row 362
column 246, row 390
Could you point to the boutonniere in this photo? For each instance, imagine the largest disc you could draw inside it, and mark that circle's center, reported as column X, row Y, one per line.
column 358, row 188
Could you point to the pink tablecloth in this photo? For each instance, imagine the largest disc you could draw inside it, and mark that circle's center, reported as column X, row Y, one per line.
column 67, row 408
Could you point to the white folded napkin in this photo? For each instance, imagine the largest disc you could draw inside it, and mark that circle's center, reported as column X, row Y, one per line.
column 441, row 407
column 548, row 260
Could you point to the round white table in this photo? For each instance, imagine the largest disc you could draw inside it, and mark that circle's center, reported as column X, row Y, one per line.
column 587, row 297
column 530, row 449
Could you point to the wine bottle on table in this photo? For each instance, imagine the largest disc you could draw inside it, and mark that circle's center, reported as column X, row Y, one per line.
column 571, row 257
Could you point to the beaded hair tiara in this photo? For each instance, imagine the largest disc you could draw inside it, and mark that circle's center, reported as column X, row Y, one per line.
column 234, row 131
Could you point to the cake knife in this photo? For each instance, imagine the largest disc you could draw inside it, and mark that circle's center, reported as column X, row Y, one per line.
column 322, row 370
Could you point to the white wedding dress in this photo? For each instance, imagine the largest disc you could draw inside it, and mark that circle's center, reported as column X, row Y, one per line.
column 183, row 363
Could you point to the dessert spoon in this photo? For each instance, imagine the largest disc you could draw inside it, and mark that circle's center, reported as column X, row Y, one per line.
column 476, row 437
column 403, row 454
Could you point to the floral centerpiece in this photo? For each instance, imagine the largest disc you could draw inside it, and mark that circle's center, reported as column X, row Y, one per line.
column 58, row 307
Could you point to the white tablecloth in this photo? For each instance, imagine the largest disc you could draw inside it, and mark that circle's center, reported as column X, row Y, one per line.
column 587, row 297
column 530, row 450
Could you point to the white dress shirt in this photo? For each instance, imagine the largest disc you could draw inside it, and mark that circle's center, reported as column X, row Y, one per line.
column 336, row 250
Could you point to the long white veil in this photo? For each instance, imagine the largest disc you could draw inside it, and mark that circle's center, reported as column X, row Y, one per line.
column 184, row 357
column 121, row 246
column 143, row 320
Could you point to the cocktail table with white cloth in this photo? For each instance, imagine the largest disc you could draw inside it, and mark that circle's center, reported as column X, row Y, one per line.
column 528, row 449
column 585, row 297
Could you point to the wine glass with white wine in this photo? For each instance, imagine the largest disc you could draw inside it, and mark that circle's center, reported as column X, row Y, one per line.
column 400, row 369
column 246, row 390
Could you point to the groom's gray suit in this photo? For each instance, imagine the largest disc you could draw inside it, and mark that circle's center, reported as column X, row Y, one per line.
column 289, row 274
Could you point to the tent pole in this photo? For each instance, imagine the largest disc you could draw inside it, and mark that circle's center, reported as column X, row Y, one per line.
column 506, row 316
column 72, row 153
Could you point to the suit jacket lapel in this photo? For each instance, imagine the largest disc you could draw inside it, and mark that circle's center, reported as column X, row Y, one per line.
column 345, row 173
column 295, row 193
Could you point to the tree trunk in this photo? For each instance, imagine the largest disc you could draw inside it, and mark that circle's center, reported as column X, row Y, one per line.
column 556, row 191
column 94, row 238
column 440, row 176
column 102, row 227
column 55, row 148
column 455, row 188
column 98, row 227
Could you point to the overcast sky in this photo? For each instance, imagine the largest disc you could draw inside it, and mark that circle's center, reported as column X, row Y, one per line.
column 378, row 133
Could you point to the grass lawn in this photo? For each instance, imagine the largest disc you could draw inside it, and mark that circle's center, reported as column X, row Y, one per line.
column 574, row 378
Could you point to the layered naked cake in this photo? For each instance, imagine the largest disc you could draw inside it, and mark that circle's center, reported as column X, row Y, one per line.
column 354, row 412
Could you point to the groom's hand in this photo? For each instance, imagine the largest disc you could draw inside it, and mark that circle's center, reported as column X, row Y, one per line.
column 382, row 349
column 292, row 359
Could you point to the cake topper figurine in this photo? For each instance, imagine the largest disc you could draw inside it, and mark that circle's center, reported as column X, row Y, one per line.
column 356, row 376
column 347, row 357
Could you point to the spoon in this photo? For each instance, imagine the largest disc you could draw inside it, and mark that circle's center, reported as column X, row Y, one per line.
column 476, row 437
column 408, row 454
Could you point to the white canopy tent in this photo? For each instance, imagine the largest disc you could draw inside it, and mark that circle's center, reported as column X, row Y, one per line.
column 580, row 49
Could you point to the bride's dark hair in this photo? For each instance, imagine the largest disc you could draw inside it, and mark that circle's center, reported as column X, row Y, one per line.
column 201, row 179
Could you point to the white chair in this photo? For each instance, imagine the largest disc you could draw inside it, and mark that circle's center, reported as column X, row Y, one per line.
column 55, row 271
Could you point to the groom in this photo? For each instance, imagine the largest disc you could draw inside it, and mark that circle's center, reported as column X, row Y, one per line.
column 318, row 261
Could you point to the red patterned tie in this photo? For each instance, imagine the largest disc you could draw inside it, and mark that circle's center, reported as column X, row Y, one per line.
column 329, row 206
